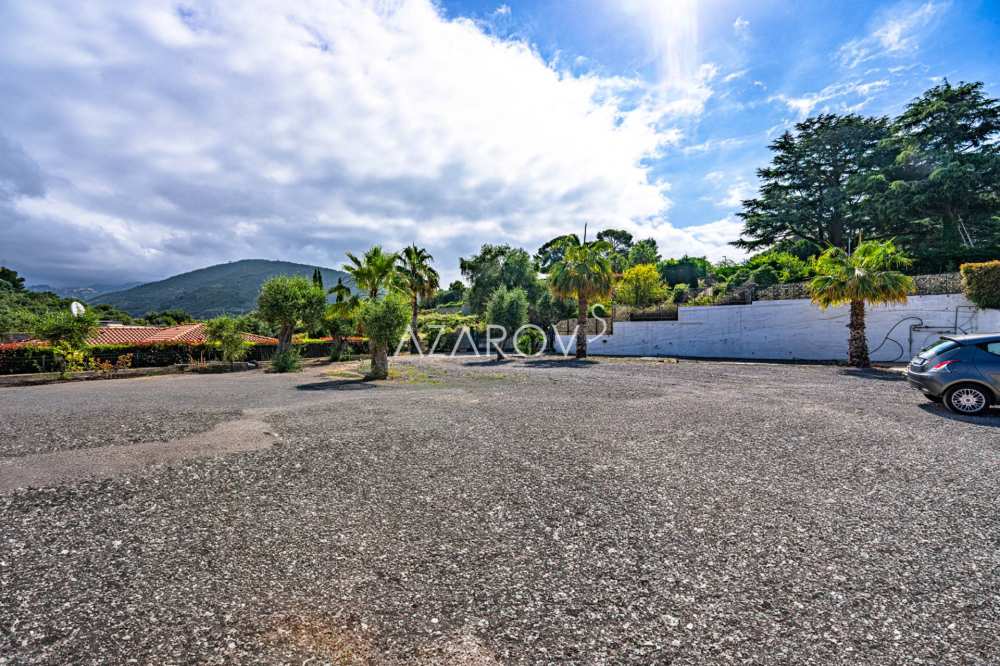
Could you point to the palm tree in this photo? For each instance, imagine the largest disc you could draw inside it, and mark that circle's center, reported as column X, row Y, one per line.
column 418, row 279
column 584, row 272
column 340, row 315
column 864, row 277
column 375, row 271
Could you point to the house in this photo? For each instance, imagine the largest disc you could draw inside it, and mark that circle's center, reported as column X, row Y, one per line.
column 122, row 334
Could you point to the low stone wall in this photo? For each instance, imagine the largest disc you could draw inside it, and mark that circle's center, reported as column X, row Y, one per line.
column 925, row 285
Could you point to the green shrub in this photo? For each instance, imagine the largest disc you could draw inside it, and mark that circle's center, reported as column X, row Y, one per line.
column 508, row 308
column 60, row 327
column 384, row 323
column 448, row 326
column 224, row 332
column 288, row 360
column 981, row 283
column 530, row 341
column 765, row 276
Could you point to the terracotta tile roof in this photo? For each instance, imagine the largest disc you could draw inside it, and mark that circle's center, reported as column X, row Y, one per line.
column 122, row 335
column 147, row 335
column 180, row 333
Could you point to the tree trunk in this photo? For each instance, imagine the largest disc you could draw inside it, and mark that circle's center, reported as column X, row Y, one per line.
column 285, row 338
column 858, row 345
column 380, row 363
column 581, row 330
column 413, row 325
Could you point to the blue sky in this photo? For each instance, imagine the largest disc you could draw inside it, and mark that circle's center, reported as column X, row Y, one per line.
column 777, row 63
column 140, row 141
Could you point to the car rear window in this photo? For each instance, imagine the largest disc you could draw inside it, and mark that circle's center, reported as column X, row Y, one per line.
column 992, row 347
column 939, row 347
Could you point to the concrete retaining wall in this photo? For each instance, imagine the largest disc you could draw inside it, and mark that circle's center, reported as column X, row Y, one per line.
column 793, row 330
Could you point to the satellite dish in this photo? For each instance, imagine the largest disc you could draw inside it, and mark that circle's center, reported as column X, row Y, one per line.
column 77, row 308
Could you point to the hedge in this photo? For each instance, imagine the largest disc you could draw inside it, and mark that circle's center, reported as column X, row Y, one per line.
column 17, row 358
column 981, row 283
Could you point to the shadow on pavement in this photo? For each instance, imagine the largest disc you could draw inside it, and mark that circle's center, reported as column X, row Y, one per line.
column 484, row 362
column 337, row 385
column 992, row 420
column 560, row 362
column 874, row 373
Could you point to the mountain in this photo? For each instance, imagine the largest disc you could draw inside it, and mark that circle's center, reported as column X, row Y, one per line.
column 208, row 292
column 88, row 293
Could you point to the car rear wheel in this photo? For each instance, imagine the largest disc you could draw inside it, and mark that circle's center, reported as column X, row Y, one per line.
column 968, row 399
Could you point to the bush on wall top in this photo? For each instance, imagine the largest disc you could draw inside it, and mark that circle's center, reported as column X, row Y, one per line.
column 981, row 283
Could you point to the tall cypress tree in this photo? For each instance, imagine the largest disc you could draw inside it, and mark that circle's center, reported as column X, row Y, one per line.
column 806, row 191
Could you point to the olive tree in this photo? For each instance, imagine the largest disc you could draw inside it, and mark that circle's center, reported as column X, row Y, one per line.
column 507, row 308
column 287, row 302
column 384, row 322
column 224, row 333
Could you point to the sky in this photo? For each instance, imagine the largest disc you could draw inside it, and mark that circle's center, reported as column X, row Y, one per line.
column 140, row 140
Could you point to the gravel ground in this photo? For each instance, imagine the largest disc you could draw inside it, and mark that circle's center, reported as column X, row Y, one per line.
column 535, row 512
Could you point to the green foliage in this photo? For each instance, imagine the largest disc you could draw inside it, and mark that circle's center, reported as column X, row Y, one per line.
column 60, row 327
column 416, row 278
column 453, row 295
column 287, row 302
column 981, row 283
column 171, row 317
column 250, row 322
column 548, row 310
column 286, row 360
column 448, row 326
column 374, row 272
column 930, row 179
column 640, row 286
column 584, row 273
column 785, row 267
column 384, row 321
column 530, row 341
column 224, row 333
column 686, row 270
column 317, row 277
column 553, row 250
column 643, row 252
column 229, row 288
column 495, row 266
column 73, row 358
column 868, row 275
column 941, row 197
column 808, row 191
column 10, row 279
column 621, row 243
column 620, row 240
column 508, row 308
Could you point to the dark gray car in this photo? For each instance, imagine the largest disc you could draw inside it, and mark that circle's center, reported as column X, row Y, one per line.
column 962, row 371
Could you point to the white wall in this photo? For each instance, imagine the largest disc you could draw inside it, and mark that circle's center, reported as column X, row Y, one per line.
column 793, row 329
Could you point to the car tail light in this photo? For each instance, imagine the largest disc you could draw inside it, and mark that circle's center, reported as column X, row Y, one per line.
column 943, row 366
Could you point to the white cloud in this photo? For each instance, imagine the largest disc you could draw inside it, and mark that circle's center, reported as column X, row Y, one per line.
column 670, row 33
column 169, row 139
column 502, row 10
column 736, row 193
column 741, row 27
column 728, row 78
column 804, row 105
column 896, row 33
column 713, row 145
